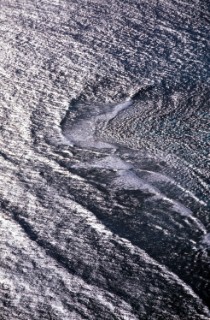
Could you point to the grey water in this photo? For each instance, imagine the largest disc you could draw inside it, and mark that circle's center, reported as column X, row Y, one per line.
column 104, row 159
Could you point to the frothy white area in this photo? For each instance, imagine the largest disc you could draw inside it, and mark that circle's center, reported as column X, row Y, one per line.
column 111, row 162
column 84, row 132
column 129, row 180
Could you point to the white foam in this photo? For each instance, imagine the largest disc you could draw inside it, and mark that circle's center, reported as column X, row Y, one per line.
column 118, row 108
column 127, row 179
column 111, row 162
column 84, row 132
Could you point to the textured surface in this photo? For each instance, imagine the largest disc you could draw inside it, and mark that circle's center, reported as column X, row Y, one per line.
column 104, row 202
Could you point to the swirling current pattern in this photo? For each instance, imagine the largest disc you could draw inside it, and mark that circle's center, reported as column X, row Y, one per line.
column 104, row 159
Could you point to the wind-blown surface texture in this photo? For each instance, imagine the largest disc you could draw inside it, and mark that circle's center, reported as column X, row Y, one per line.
column 104, row 158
